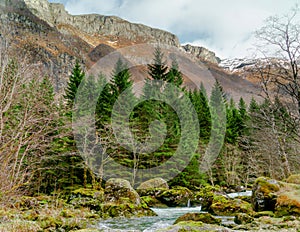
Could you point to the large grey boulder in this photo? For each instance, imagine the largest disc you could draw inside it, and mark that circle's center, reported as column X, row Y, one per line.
column 120, row 190
column 153, row 184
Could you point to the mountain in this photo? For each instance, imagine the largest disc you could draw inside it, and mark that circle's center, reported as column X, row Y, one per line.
column 45, row 32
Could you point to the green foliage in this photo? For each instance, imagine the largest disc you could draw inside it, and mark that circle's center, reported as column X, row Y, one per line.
column 74, row 81
column 174, row 75
column 158, row 70
column 200, row 102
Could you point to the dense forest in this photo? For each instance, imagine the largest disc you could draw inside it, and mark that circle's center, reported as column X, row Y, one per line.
column 41, row 155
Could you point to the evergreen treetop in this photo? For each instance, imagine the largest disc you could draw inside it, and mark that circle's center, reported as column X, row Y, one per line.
column 74, row 81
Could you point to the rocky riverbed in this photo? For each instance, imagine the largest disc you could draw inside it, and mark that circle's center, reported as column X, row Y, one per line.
column 154, row 206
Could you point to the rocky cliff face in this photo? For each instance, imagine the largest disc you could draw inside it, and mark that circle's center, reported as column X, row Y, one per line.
column 202, row 53
column 93, row 24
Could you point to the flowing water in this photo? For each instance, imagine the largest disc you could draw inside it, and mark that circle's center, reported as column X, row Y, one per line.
column 165, row 218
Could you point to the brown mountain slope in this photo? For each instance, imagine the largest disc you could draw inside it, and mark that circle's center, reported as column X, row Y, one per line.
column 46, row 33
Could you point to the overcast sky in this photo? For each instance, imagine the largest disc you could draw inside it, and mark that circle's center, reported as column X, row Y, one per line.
column 224, row 27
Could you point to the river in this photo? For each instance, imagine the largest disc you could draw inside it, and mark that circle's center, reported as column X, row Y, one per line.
column 165, row 218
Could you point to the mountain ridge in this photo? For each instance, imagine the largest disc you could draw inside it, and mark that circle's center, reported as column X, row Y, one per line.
column 50, row 35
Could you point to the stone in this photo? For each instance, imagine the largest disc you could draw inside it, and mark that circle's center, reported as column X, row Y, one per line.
column 153, row 184
column 264, row 213
column 202, row 217
column 128, row 210
column 121, row 200
column 205, row 196
column 202, row 53
column 264, row 194
column 120, row 191
column 223, row 206
column 176, row 197
column 88, row 198
column 151, row 201
column 243, row 218
column 294, row 179
column 192, row 226
column 288, row 203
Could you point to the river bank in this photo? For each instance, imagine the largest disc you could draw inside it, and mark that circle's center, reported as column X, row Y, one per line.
column 270, row 206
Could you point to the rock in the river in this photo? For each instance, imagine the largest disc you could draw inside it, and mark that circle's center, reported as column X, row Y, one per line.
column 264, row 194
column 223, row 206
column 152, row 188
column 121, row 200
column 178, row 196
column 120, row 191
column 202, row 217
column 193, row 227
column 205, row 196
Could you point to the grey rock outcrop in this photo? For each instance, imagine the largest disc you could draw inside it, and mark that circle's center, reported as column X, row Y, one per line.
column 56, row 15
column 202, row 53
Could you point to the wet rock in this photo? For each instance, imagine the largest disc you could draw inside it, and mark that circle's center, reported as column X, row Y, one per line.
column 192, row 226
column 152, row 189
column 202, row 217
column 223, row 206
column 205, row 196
column 120, row 191
column 151, row 201
column 176, row 197
column 264, row 194
column 121, row 200
column 111, row 210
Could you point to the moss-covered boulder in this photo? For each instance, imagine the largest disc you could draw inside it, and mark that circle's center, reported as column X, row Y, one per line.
column 264, row 214
column 293, row 179
column 264, row 194
column 223, row 206
column 192, row 226
column 128, row 210
column 205, row 196
column 120, row 191
column 151, row 189
column 154, row 184
column 176, row 197
column 288, row 202
column 88, row 198
column 151, row 201
column 121, row 200
column 199, row 217
column 243, row 218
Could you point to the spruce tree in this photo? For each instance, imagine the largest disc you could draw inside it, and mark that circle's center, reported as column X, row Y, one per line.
column 120, row 78
column 234, row 123
column 174, row 75
column 158, row 70
column 74, row 81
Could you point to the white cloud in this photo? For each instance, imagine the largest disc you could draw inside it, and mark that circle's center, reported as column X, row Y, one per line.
column 222, row 26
